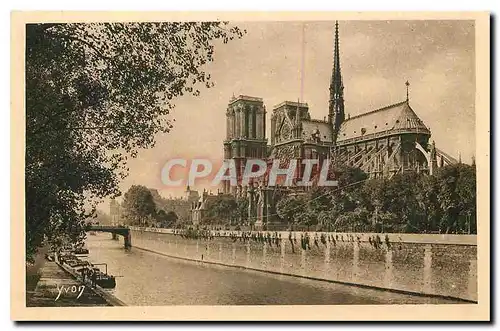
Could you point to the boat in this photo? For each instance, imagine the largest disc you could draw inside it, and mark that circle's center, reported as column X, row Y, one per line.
column 81, row 251
column 103, row 279
column 77, row 265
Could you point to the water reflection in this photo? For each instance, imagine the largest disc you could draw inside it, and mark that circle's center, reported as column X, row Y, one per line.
column 149, row 279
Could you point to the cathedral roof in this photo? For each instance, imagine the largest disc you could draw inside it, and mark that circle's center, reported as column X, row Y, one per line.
column 384, row 121
column 244, row 98
column 311, row 128
column 292, row 104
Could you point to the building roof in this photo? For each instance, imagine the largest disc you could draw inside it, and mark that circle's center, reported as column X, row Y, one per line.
column 394, row 118
column 313, row 127
column 245, row 98
column 292, row 104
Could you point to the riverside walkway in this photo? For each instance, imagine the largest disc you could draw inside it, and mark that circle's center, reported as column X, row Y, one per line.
column 59, row 288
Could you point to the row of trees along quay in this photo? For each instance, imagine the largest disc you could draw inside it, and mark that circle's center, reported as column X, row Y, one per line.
column 96, row 94
column 139, row 209
column 406, row 203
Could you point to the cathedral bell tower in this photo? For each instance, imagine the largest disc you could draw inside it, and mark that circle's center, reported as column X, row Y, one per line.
column 336, row 113
column 245, row 134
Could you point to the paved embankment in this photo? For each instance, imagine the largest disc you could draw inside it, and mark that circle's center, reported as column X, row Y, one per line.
column 58, row 287
column 432, row 265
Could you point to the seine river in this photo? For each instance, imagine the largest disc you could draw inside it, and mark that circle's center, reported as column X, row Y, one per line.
column 146, row 278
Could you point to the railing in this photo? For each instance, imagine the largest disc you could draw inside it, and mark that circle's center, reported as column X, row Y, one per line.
column 382, row 134
column 446, row 239
column 105, row 227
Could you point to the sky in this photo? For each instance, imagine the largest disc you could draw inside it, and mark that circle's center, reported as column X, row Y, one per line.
column 280, row 61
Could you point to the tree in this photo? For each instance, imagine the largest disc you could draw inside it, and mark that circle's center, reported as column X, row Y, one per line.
column 166, row 220
column 95, row 95
column 320, row 199
column 138, row 205
column 348, row 195
column 427, row 199
column 466, row 191
column 456, row 185
column 171, row 217
column 401, row 200
column 242, row 210
column 221, row 210
column 327, row 220
column 349, row 176
column 162, row 219
column 293, row 210
column 320, row 211
column 285, row 208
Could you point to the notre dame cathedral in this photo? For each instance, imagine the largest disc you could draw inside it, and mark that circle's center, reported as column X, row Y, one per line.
column 381, row 142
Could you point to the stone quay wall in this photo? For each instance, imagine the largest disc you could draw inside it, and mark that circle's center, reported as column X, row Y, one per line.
column 424, row 264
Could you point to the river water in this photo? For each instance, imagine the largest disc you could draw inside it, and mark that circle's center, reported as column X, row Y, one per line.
column 146, row 278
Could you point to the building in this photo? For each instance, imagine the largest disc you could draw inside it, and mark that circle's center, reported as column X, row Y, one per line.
column 381, row 142
column 200, row 206
column 181, row 206
column 115, row 212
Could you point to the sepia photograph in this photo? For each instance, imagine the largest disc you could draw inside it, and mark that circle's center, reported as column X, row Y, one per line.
column 335, row 161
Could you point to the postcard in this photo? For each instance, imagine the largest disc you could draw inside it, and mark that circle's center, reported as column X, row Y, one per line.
column 250, row 166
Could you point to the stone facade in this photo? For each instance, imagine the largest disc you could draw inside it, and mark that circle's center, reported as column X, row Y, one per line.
column 199, row 207
column 381, row 142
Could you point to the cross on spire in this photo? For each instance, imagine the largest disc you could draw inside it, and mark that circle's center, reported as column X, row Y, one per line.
column 407, row 90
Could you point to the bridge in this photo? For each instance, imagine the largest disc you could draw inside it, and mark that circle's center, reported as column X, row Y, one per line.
column 114, row 230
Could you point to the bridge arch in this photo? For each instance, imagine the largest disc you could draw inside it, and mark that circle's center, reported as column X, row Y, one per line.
column 115, row 230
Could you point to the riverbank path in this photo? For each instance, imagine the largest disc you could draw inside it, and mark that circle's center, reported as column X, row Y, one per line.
column 58, row 288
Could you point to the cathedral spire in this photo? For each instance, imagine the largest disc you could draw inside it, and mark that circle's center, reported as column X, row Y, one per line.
column 297, row 120
column 336, row 103
column 407, row 91
column 297, row 116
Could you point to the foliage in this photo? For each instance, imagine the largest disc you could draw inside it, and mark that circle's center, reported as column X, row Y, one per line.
column 456, row 191
column 138, row 205
column 408, row 202
column 242, row 210
column 95, row 95
column 290, row 208
column 172, row 217
column 221, row 210
column 166, row 220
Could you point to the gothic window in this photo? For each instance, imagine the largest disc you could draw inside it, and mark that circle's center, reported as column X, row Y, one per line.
column 247, row 118
column 285, row 132
column 254, row 123
column 233, row 123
